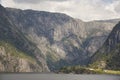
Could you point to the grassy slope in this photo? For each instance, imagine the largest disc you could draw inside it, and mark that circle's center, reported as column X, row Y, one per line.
column 13, row 51
column 11, row 34
column 15, row 43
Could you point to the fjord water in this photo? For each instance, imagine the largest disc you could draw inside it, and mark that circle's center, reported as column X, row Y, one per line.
column 57, row 77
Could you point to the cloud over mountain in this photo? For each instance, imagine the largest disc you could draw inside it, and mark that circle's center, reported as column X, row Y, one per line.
column 82, row 9
column 35, row 1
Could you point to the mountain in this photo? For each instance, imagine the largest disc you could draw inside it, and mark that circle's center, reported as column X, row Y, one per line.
column 36, row 41
column 109, row 53
column 17, row 53
column 63, row 40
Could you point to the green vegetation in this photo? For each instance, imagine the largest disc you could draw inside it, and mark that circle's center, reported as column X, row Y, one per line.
column 86, row 70
column 10, row 49
column 76, row 70
column 113, row 63
column 110, row 60
column 111, row 72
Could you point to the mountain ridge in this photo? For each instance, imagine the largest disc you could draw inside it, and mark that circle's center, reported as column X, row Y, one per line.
column 60, row 39
column 64, row 39
column 9, row 33
column 109, row 52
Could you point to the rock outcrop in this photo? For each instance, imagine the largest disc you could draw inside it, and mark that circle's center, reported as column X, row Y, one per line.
column 10, row 34
column 52, row 39
column 109, row 53
column 62, row 39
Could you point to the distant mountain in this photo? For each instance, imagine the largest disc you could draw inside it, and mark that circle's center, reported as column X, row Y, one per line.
column 50, row 40
column 109, row 53
column 17, row 53
column 62, row 39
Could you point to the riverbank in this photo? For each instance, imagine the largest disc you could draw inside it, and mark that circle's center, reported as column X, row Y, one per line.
column 84, row 70
column 106, row 71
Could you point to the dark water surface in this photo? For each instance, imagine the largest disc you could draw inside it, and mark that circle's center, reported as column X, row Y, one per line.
column 57, row 77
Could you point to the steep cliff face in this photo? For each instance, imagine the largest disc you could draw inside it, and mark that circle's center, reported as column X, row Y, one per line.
column 97, row 32
column 62, row 40
column 10, row 34
column 56, row 35
column 50, row 39
column 110, row 51
column 13, row 60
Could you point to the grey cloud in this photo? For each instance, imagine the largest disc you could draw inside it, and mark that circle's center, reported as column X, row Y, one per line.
column 97, row 9
column 117, row 8
column 35, row 1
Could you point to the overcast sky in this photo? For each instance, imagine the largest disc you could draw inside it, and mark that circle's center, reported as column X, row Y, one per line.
column 83, row 9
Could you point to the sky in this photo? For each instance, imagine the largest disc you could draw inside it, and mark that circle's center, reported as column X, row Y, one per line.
column 85, row 10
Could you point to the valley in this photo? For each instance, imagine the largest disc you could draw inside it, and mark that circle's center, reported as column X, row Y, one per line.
column 44, row 41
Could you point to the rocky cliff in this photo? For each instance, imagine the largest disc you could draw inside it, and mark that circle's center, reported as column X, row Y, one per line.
column 109, row 52
column 13, row 60
column 62, row 39
column 51, row 39
column 13, row 42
